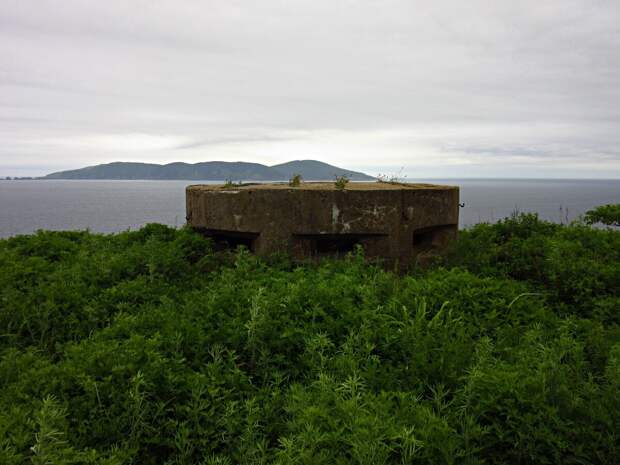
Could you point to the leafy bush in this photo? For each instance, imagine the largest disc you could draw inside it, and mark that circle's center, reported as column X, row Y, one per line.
column 576, row 267
column 606, row 214
column 148, row 347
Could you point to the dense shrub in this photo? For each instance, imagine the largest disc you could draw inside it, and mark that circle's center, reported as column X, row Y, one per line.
column 147, row 347
column 605, row 214
column 576, row 267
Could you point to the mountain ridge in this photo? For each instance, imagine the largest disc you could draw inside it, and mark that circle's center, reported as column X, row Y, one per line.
column 310, row 170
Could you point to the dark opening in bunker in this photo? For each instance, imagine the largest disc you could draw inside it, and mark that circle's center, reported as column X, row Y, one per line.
column 231, row 239
column 433, row 237
column 333, row 244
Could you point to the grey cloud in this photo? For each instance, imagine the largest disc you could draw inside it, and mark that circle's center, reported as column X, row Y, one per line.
column 231, row 140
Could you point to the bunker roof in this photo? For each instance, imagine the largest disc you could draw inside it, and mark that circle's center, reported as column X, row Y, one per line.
column 325, row 186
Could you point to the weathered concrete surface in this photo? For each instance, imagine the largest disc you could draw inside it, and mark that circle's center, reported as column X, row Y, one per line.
column 398, row 223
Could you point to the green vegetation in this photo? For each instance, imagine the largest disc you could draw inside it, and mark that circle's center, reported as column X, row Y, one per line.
column 147, row 347
column 341, row 182
column 605, row 214
column 230, row 184
column 295, row 180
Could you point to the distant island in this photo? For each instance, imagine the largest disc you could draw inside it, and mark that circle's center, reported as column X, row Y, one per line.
column 310, row 170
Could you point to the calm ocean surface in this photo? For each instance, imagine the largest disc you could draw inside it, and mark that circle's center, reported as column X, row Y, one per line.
column 109, row 206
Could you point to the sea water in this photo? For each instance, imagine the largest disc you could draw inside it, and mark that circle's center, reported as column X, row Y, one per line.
column 110, row 206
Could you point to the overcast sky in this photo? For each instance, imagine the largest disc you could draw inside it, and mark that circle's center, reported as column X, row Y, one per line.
column 437, row 88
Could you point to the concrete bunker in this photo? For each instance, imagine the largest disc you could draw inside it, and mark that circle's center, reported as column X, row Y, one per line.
column 320, row 245
column 395, row 223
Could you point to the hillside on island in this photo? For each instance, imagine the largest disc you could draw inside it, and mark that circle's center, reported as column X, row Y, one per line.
column 310, row 170
column 150, row 347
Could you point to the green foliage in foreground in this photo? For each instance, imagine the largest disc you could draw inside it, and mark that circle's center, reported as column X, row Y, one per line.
column 148, row 348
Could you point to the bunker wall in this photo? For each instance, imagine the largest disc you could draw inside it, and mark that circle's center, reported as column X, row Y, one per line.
column 396, row 225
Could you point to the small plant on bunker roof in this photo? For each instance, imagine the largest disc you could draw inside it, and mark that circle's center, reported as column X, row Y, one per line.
column 295, row 181
column 394, row 178
column 341, row 182
column 230, row 184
